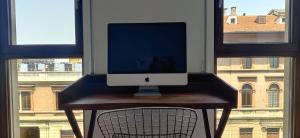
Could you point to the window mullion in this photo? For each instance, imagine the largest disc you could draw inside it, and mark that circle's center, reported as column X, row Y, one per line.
column 4, row 101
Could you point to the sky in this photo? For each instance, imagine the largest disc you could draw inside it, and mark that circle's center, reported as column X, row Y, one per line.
column 254, row 7
column 52, row 21
column 45, row 21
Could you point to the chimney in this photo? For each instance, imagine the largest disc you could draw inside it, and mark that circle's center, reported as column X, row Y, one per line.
column 233, row 11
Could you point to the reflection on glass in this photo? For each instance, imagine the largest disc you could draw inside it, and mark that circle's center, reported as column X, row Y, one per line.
column 44, row 22
column 39, row 82
column 255, row 21
column 260, row 112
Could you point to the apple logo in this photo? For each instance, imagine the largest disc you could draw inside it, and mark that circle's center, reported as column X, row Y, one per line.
column 147, row 79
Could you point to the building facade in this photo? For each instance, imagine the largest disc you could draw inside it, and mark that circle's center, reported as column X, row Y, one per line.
column 39, row 82
column 260, row 81
column 260, row 87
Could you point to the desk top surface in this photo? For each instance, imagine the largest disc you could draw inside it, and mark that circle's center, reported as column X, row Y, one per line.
column 189, row 100
column 203, row 91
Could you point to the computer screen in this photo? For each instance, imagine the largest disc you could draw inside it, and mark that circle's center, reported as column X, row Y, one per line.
column 138, row 48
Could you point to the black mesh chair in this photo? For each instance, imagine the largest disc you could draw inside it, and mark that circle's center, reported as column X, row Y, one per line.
column 148, row 123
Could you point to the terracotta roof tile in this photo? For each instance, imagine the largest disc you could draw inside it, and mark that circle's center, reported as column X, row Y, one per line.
column 249, row 24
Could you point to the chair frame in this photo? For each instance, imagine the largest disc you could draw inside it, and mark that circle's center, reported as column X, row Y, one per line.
column 111, row 124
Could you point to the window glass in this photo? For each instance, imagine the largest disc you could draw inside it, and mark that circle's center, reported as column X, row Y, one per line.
column 263, row 97
column 43, row 22
column 30, row 132
column 246, row 132
column 272, row 132
column 274, row 62
column 66, row 134
column 247, row 63
column 246, row 95
column 25, row 102
column 38, row 89
column 255, row 21
column 273, row 95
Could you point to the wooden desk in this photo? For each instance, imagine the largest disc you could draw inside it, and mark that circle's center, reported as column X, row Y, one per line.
column 204, row 91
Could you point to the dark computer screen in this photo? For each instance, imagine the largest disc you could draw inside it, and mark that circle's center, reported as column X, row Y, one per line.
column 146, row 48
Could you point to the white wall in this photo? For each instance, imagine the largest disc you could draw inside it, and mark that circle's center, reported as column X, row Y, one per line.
column 198, row 14
column 113, row 11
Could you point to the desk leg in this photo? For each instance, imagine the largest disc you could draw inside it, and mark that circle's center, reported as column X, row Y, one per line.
column 206, row 123
column 92, row 124
column 222, row 123
column 73, row 123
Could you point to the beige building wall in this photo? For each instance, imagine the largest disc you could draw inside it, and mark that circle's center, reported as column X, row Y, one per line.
column 260, row 116
column 44, row 115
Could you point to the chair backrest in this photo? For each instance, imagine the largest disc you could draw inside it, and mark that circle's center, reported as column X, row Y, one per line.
column 148, row 122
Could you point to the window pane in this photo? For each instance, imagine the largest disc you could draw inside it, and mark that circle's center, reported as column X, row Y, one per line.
column 261, row 91
column 247, row 63
column 255, row 21
column 66, row 134
column 274, row 62
column 38, row 89
column 43, row 22
column 25, row 101
column 30, row 132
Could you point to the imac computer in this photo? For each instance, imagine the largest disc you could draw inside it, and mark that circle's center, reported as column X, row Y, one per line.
column 147, row 55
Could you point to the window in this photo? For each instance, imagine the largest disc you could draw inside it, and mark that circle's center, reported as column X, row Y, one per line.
column 32, row 67
column 34, row 36
column 272, row 132
column 68, row 67
column 232, row 20
column 246, row 95
column 30, row 132
column 273, row 95
column 254, row 87
column 256, row 22
column 42, row 99
column 261, row 42
column 66, row 134
column 25, row 101
column 49, row 67
column 47, row 21
column 247, row 63
column 246, row 132
column 261, row 19
column 274, row 62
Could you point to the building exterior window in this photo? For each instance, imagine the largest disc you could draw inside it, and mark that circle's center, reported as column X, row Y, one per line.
column 25, row 101
column 49, row 67
column 247, row 95
column 274, row 62
column 232, row 20
column 30, row 132
column 246, row 132
column 273, row 95
column 68, row 67
column 272, row 132
column 66, row 134
column 247, row 63
column 32, row 67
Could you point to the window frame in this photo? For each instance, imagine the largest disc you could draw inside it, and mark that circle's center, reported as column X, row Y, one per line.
column 21, row 100
column 249, row 95
column 290, row 49
column 272, row 91
column 9, row 51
